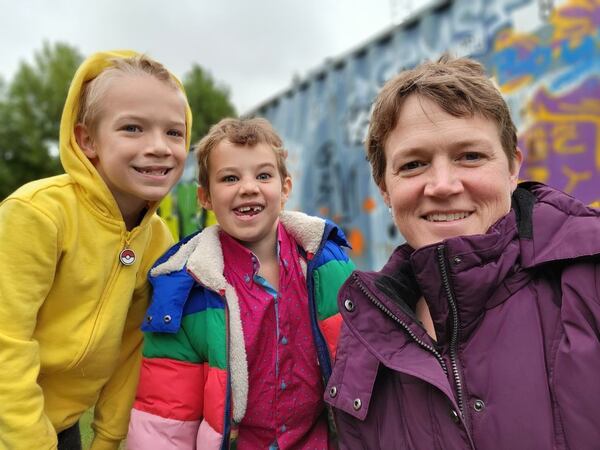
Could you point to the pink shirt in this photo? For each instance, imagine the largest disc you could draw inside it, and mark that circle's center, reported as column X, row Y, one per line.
column 285, row 407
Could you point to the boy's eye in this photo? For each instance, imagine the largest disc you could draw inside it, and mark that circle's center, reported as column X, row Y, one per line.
column 132, row 128
column 264, row 176
column 229, row 179
column 175, row 133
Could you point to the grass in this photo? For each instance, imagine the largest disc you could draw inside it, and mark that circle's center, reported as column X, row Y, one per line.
column 87, row 434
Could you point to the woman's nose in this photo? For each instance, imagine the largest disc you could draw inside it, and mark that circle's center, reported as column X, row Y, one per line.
column 444, row 181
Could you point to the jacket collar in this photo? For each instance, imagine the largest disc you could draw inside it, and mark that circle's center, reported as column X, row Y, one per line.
column 203, row 257
column 544, row 226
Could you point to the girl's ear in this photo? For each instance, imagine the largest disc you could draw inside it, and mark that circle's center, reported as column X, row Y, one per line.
column 85, row 141
column 286, row 190
column 204, row 198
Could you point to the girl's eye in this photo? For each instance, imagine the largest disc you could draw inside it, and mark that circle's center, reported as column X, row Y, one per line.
column 264, row 176
column 132, row 128
column 412, row 165
column 229, row 179
column 175, row 133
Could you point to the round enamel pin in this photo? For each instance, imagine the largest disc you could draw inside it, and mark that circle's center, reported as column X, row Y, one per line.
column 127, row 257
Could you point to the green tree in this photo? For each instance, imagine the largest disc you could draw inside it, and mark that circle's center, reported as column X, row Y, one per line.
column 208, row 100
column 31, row 107
column 30, row 111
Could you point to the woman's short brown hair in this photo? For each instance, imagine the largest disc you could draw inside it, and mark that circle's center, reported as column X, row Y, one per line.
column 246, row 132
column 457, row 85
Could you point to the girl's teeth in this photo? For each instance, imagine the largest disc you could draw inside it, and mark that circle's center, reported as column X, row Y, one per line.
column 245, row 209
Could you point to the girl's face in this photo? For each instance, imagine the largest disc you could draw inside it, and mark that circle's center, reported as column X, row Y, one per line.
column 138, row 146
column 246, row 191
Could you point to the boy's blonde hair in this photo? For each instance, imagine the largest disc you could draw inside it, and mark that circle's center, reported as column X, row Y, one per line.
column 90, row 105
column 247, row 132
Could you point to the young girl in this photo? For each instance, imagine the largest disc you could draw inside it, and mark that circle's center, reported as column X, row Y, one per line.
column 243, row 322
column 76, row 249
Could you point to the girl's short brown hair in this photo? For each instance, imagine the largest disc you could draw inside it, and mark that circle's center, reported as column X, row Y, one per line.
column 249, row 132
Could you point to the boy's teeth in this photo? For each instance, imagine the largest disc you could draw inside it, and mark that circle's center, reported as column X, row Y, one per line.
column 154, row 171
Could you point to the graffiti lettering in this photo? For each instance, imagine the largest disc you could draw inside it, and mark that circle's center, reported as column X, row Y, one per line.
column 574, row 178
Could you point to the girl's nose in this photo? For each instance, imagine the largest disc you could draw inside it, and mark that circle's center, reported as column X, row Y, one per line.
column 249, row 186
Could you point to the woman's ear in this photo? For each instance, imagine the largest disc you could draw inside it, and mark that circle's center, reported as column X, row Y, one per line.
column 516, row 168
column 85, row 141
column 386, row 196
column 204, row 198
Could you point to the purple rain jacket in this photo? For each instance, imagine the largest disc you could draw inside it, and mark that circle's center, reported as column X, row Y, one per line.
column 517, row 317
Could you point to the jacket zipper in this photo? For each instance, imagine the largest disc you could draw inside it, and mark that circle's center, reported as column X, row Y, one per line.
column 454, row 335
column 108, row 289
column 400, row 322
column 312, row 306
column 227, row 418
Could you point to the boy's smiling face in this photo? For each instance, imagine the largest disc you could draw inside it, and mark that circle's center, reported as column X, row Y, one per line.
column 138, row 146
column 246, row 191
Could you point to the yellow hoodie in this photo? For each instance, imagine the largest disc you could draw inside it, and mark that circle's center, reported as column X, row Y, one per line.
column 69, row 310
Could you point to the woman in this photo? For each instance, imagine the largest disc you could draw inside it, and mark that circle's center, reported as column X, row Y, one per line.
column 482, row 331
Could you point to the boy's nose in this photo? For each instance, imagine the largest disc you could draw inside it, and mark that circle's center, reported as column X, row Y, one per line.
column 159, row 145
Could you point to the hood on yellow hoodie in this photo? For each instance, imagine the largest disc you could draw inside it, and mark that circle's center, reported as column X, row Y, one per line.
column 73, row 160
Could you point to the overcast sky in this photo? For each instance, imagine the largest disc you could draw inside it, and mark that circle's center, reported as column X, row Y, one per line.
column 254, row 47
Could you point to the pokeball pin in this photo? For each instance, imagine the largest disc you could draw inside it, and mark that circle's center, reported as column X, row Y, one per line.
column 127, row 257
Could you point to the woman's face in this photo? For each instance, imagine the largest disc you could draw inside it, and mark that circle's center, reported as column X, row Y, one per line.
column 445, row 176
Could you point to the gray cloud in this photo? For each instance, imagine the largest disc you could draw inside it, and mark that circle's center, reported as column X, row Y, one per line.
column 252, row 47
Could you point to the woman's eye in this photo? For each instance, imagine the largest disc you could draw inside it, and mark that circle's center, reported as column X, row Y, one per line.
column 471, row 156
column 411, row 166
column 132, row 128
column 264, row 176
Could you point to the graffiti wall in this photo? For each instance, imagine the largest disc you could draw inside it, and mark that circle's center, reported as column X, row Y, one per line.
column 548, row 69
column 553, row 80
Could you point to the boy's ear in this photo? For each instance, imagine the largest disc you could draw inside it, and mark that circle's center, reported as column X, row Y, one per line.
column 85, row 141
column 204, row 198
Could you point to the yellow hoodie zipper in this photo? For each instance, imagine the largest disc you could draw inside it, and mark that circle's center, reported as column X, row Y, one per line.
column 118, row 265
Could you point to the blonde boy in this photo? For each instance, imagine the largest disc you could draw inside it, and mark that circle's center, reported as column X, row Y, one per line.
column 76, row 249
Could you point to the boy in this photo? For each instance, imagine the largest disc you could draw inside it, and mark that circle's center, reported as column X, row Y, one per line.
column 244, row 322
column 76, row 249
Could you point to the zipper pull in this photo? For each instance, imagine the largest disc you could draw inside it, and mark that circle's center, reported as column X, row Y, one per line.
column 127, row 255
